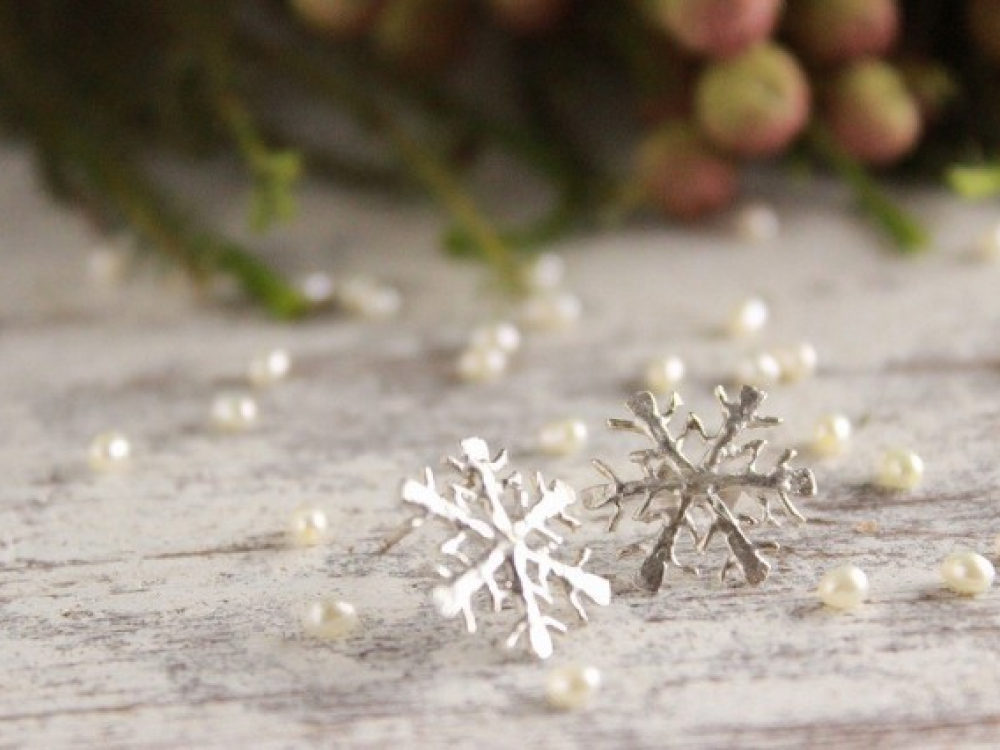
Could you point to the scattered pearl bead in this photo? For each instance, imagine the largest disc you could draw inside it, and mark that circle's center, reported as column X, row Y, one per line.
column 107, row 266
column 562, row 438
column 749, row 317
column 664, row 374
column 546, row 272
column 318, row 288
column 831, row 435
column 503, row 336
column 308, row 526
column 761, row 370
column 901, row 469
column 551, row 311
column 845, row 587
column 987, row 246
column 481, row 364
column 109, row 451
column 797, row 362
column 967, row 573
column 330, row 619
column 234, row 412
column 571, row 687
column 370, row 299
column 757, row 222
column 270, row 367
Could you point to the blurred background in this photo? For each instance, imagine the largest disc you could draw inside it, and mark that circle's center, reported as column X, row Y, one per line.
column 599, row 111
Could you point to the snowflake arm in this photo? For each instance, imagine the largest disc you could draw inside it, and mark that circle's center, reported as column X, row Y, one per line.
column 729, row 465
column 505, row 543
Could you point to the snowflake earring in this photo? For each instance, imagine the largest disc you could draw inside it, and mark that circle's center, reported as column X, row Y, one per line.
column 502, row 543
column 698, row 496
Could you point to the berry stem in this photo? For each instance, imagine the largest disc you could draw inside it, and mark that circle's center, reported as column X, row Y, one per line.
column 906, row 233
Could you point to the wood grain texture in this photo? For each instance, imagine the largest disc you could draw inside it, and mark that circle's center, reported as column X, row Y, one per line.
column 156, row 608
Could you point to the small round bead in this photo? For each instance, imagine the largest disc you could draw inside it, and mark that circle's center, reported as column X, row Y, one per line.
column 107, row 266
column 757, row 222
column 546, row 272
column 571, row 687
column 845, row 587
column 503, row 336
column 329, row 618
column 797, row 362
column 370, row 299
column 562, row 438
column 234, row 412
column 749, row 317
column 967, row 573
column 481, row 364
column 664, row 374
column 308, row 526
column 901, row 469
column 831, row 435
column 552, row 311
column 270, row 367
column 761, row 370
column 987, row 245
column 318, row 288
column 110, row 451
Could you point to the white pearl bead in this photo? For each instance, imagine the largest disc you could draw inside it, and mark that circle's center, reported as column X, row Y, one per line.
column 664, row 374
column 546, row 272
column 551, row 311
column 270, row 367
column 562, row 438
column 797, row 362
column 318, row 288
column 330, row 619
column 503, row 336
column 107, row 266
column 901, row 469
column 845, row 587
column 749, row 317
column 571, row 687
column 308, row 526
column 757, row 222
column 481, row 364
column 832, row 435
column 967, row 573
column 234, row 412
column 987, row 246
column 761, row 370
column 368, row 298
column 109, row 451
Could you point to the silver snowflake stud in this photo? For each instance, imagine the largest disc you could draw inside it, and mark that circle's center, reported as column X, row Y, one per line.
column 698, row 495
column 502, row 543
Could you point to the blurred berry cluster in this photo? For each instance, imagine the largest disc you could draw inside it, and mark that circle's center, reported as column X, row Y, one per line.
column 693, row 90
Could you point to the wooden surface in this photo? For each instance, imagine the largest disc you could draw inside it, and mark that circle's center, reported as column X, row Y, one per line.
column 157, row 608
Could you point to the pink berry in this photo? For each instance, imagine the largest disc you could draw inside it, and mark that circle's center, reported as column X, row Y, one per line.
column 682, row 174
column 871, row 113
column 834, row 31
column 718, row 28
column 338, row 17
column 754, row 104
column 529, row 16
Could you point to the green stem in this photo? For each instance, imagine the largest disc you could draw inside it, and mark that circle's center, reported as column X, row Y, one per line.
column 64, row 134
column 906, row 232
column 427, row 168
column 974, row 181
column 274, row 172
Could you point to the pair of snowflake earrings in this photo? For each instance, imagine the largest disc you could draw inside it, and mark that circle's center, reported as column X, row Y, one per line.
column 503, row 542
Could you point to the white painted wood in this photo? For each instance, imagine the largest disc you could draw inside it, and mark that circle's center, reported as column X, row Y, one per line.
column 157, row 608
